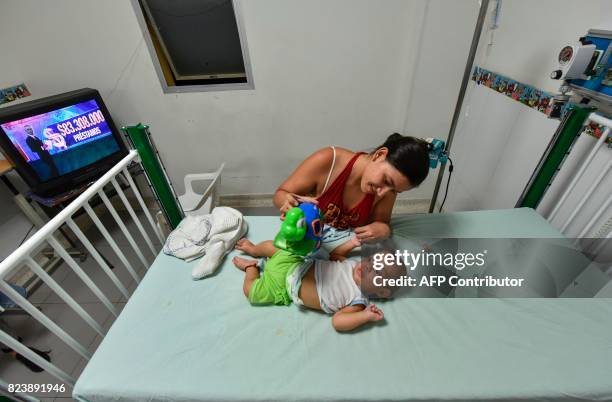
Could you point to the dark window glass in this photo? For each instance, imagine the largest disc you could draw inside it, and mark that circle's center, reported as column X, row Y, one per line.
column 196, row 41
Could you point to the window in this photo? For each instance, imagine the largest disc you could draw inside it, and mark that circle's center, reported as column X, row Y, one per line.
column 199, row 44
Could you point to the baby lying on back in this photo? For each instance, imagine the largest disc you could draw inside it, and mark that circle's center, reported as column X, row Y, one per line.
column 339, row 288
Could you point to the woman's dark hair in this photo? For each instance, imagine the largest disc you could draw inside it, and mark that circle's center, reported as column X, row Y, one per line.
column 409, row 155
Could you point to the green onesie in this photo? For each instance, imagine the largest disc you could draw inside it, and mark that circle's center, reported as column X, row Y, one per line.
column 271, row 287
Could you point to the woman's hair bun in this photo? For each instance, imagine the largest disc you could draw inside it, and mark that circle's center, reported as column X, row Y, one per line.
column 394, row 137
column 409, row 155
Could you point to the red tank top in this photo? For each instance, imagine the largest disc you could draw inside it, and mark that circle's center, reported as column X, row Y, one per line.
column 332, row 206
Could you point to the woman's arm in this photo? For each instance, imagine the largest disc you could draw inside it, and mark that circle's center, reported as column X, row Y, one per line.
column 304, row 180
column 381, row 216
column 351, row 317
column 383, row 208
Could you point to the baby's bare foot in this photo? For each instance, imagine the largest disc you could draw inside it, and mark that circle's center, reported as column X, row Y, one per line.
column 245, row 245
column 243, row 263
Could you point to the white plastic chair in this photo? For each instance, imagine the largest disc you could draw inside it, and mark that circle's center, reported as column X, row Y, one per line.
column 194, row 203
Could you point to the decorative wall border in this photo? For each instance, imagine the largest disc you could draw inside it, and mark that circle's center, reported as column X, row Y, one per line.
column 529, row 96
column 532, row 97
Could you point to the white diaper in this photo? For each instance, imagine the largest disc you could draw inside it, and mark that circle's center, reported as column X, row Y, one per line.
column 294, row 281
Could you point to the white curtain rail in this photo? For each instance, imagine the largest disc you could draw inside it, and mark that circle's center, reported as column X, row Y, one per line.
column 50, row 227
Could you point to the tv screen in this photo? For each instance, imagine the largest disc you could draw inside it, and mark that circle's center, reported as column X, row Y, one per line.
column 60, row 142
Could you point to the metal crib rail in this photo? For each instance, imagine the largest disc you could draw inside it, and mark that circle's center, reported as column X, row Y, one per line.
column 24, row 255
column 596, row 184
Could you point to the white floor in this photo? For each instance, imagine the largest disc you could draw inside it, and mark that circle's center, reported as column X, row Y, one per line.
column 34, row 334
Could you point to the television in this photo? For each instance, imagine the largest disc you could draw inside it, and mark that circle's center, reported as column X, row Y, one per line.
column 61, row 142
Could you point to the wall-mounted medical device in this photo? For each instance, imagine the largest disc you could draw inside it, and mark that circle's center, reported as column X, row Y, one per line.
column 436, row 152
column 585, row 68
column 586, row 71
column 576, row 61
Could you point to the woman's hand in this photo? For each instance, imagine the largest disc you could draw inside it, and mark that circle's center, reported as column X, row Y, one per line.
column 293, row 200
column 373, row 231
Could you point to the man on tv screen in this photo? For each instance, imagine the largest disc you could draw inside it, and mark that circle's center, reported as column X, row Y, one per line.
column 37, row 146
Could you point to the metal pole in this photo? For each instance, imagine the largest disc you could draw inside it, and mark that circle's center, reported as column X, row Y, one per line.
column 154, row 169
column 466, row 78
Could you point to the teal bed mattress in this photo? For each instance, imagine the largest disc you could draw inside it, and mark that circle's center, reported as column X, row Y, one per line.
column 184, row 340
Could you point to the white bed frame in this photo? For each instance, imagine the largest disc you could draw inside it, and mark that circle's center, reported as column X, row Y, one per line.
column 46, row 236
column 596, row 224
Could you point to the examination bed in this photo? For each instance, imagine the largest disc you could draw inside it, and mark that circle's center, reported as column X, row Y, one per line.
column 179, row 339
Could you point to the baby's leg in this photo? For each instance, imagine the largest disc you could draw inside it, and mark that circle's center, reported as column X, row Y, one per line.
column 251, row 272
column 263, row 249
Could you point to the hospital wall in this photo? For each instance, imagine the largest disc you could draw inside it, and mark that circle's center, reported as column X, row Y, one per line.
column 499, row 141
column 325, row 73
column 9, row 70
column 9, row 76
column 321, row 78
column 443, row 41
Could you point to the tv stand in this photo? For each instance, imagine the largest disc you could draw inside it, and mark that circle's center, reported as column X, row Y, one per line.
column 33, row 282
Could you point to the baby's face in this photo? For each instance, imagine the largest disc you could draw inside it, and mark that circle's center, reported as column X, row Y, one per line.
column 364, row 275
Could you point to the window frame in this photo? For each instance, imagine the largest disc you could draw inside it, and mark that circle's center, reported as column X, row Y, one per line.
column 201, row 87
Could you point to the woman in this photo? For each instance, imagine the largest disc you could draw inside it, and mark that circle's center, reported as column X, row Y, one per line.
column 357, row 190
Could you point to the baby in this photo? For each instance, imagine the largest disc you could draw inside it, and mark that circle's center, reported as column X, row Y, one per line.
column 339, row 288
column 341, row 252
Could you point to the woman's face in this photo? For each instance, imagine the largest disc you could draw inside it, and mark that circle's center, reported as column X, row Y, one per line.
column 380, row 177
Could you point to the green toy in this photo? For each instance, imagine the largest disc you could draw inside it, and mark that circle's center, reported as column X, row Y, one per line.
column 300, row 233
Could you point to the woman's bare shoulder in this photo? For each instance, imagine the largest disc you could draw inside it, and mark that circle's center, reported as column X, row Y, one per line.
column 323, row 157
column 317, row 162
column 344, row 153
